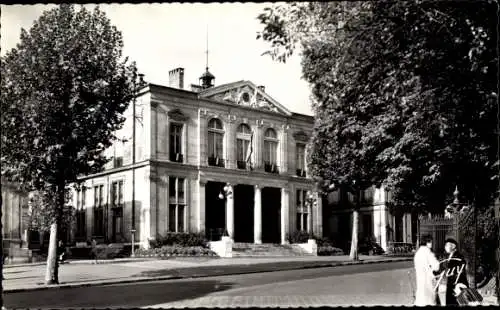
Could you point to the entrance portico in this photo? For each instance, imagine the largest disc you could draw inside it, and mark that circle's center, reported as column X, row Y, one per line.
column 248, row 213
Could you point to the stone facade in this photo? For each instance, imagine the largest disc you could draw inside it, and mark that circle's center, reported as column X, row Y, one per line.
column 375, row 219
column 15, row 217
column 179, row 186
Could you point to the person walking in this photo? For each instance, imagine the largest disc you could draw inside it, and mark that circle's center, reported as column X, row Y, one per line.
column 426, row 264
column 452, row 273
column 93, row 252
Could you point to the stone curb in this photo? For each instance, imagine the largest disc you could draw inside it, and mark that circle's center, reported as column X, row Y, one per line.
column 83, row 262
column 161, row 278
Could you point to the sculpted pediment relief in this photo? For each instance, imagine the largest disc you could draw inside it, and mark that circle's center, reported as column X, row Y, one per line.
column 301, row 136
column 247, row 94
column 177, row 115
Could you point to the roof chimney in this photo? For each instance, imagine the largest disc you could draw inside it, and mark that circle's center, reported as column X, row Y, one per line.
column 262, row 88
column 176, row 78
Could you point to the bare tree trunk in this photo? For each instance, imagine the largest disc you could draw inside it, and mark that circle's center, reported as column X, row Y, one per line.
column 354, row 241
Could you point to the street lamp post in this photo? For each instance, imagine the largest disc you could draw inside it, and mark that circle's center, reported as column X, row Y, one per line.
column 224, row 195
column 132, row 232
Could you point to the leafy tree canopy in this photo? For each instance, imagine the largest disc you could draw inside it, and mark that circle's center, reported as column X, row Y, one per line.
column 64, row 89
column 405, row 93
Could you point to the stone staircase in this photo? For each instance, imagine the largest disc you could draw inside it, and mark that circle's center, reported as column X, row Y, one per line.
column 267, row 250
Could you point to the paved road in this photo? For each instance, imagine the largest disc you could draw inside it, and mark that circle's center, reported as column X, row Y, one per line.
column 370, row 284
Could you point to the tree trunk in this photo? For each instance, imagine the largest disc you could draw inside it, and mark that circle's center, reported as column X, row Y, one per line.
column 52, row 274
column 52, row 271
column 354, row 242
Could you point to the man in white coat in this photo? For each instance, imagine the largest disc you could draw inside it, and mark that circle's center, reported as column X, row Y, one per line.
column 425, row 266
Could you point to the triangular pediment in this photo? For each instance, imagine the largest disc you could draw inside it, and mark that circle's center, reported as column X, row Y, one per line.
column 244, row 93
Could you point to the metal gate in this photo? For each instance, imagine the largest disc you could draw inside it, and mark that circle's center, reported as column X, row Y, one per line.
column 462, row 228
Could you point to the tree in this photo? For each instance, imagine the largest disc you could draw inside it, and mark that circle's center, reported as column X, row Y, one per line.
column 404, row 94
column 64, row 89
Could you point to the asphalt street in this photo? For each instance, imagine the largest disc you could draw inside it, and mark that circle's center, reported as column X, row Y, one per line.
column 370, row 284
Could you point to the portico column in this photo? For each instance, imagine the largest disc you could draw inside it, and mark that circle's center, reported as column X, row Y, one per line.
column 404, row 227
column 231, row 143
column 284, row 215
column 257, row 216
column 229, row 210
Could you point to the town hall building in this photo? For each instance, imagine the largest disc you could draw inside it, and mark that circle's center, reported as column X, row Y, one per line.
column 212, row 159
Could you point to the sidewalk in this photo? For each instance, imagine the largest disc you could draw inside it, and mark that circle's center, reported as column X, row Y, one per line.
column 84, row 273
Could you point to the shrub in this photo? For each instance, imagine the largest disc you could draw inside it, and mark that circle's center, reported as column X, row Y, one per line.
column 298, row 237
column 180, row 239
column 323, row 241
column 329, row 251
column 169, row 250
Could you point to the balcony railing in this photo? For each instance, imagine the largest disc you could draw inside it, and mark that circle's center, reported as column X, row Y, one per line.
column 176, row 157
column 271, row 168
column 301, row 173
column 216, row 161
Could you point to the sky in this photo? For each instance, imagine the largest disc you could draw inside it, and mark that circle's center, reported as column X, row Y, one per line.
column 161, row 37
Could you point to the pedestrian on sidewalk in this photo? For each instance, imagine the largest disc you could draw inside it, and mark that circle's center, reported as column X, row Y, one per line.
column 452, row 274
column 93, row 252
column 426, row 264
column 61, row 251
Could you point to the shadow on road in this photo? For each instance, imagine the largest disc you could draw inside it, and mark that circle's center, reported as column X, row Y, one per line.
column 114, row 296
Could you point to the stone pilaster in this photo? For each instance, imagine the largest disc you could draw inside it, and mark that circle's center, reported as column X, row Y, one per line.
column 284, row 150
column 257, row 217
column 154, row 130
column 285, row 214
column 230, row 211
column 258, row 146
column 202, row 137
column 231, row 143
column 201, row 206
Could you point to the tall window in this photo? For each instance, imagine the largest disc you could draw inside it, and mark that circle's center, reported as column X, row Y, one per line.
column 80, row 213
column 302, row 211
column 270, row 150
column 300, row 159
column 117, row 206
column 215, row 142
column 117, row 194
column 177, row 205
column 243, row 137
column 176, row 142
column 99, row 210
